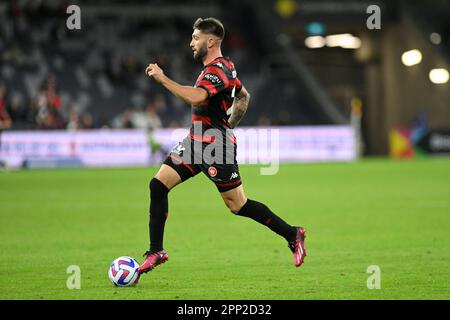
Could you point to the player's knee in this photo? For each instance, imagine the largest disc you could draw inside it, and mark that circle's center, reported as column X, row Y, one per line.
column 158, row 189
column 234, row 210
column 233, row 207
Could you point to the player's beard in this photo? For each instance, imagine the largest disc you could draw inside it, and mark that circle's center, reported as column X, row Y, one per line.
column 200, row 53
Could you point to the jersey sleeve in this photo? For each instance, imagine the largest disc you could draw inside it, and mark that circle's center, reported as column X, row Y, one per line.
column 213, row 81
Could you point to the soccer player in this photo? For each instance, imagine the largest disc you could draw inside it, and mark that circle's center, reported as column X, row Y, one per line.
column 219, row 101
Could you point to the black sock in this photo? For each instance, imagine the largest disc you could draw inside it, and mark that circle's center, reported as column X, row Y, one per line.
column 260, row 213
column 159, row 207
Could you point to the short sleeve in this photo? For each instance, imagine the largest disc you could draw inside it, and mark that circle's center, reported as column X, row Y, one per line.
column 213, row 80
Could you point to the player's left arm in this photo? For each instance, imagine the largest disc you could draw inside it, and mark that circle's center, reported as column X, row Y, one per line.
column 190, row 95
column 239, row 107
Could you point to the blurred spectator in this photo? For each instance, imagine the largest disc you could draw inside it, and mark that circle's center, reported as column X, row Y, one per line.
column 138, row 119
column 48, row 107
column 17, row 110
column 32, row 113
column 153, row 120
column 159, row 104
column 125, row 120
column 5, row 119
column 51, row 120
column 87, row 121
column 53, row 99
column 41, row 107
column 74, row 119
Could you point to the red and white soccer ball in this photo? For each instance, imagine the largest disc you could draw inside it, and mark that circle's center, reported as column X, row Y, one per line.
column 124, row 271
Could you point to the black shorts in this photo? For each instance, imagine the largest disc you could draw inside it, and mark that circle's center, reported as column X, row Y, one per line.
column 190, row 157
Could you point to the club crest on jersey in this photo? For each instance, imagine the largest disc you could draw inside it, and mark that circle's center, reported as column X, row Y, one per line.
column 212, row 171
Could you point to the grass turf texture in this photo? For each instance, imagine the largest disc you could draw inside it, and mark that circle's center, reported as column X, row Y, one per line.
column 376, row 212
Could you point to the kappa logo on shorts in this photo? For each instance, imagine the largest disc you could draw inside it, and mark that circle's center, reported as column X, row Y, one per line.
column 212, row 171
column 234, row 175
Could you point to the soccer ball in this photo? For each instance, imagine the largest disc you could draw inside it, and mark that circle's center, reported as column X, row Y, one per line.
column 124, row 271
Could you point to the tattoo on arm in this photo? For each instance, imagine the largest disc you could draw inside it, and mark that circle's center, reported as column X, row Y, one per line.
column 239, row 107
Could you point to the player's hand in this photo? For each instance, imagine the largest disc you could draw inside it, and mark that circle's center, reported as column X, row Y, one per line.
column 154, row 71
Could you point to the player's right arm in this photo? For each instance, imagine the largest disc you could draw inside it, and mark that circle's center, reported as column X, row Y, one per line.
column 190, row 95
column 239, row 107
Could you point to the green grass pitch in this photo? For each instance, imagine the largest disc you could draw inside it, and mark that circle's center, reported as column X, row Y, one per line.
column 374, row 212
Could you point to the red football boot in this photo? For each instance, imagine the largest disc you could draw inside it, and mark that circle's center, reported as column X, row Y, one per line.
column 298, row 246
column 153, row 260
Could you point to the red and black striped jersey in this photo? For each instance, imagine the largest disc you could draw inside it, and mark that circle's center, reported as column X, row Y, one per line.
column 219, row 79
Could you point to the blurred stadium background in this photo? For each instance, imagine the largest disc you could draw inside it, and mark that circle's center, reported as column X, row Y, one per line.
column 53, row 78
column 313, row 68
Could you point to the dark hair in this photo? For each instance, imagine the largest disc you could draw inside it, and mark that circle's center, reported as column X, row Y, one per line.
column 211, row 26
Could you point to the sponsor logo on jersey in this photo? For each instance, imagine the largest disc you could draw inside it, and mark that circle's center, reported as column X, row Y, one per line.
column 212, row 78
